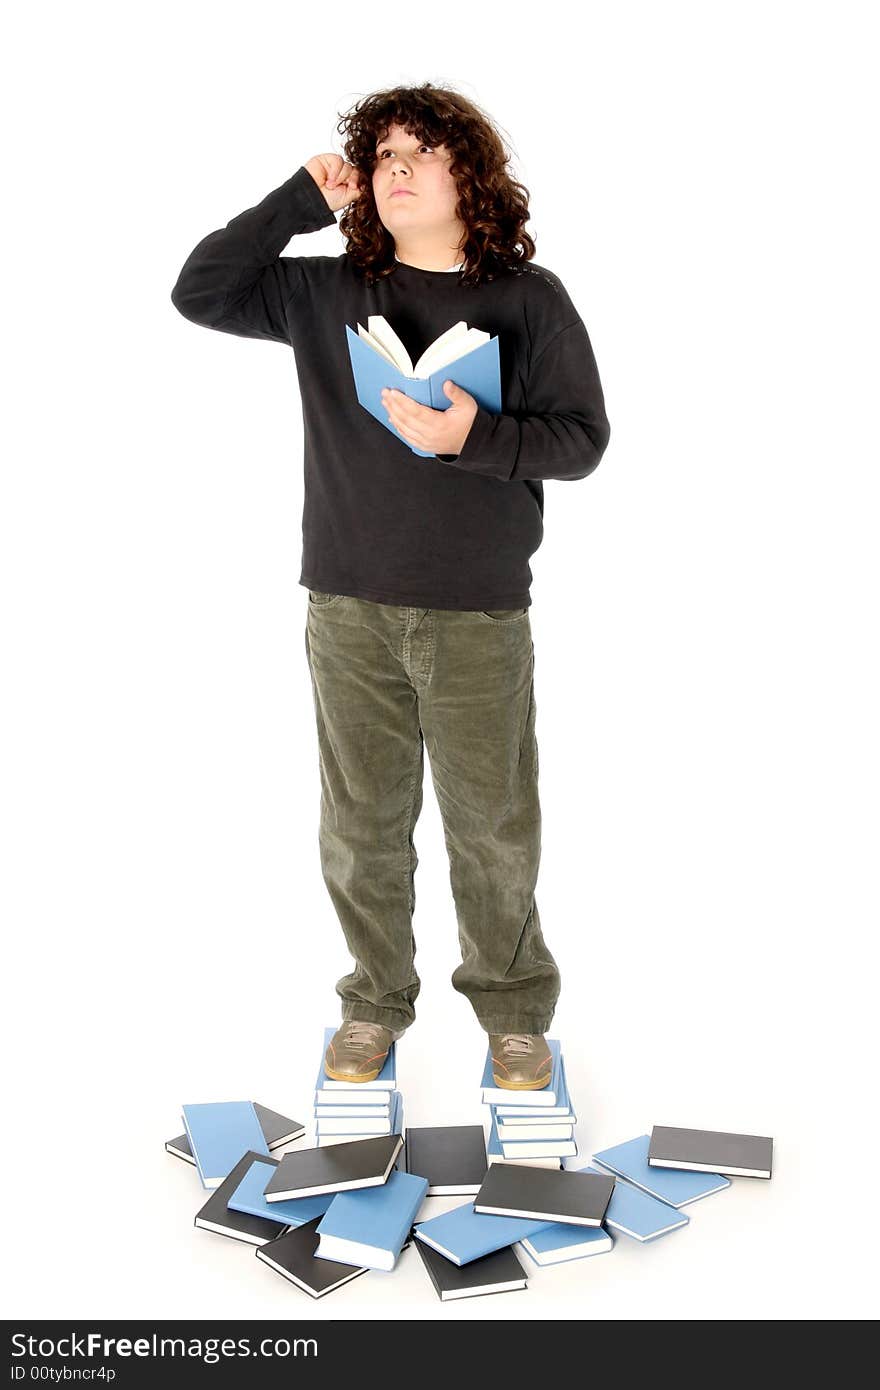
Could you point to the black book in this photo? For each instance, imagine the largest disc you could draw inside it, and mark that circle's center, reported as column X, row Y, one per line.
column 515, row 1189
column 711, row 1151
column 278, row 1130
column 356, row 1163
column 451, row 1157
column 495, row 1273
column 216, row 1216
column 293, row 1255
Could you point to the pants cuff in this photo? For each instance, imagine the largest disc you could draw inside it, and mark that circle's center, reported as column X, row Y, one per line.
column 500, row 1024
column 370, row 1013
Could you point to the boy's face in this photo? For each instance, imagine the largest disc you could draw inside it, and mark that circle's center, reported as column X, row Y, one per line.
column 430, row 202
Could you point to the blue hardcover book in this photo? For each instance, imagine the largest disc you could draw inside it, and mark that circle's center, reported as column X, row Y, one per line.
column 296, row 1211
column 353, row 1126
column 498, row 1095
column 562, row 1241
column 675, row 1186
column 219, row 1133
column 477, row 370
column 542, row 1153
column 368, row 1227
column 463, row 1234
column 635, row 1213
column 385, row 1081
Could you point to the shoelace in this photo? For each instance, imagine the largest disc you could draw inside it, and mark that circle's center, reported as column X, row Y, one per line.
column 518, row 1043
column 358, row 1034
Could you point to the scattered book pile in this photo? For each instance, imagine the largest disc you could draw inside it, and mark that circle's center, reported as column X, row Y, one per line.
column 534, row 1127
column 323, row 1215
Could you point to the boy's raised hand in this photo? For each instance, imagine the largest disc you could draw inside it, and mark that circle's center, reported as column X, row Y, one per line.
column 339, row 182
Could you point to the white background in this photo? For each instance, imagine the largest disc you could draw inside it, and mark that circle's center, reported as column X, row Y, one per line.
column 704, row 617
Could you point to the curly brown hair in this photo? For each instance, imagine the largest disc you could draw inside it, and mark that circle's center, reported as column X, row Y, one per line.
column 492, row 205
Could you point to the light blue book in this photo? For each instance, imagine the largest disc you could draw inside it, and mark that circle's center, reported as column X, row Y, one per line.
column 385, row 1081
column 635, row 1213
column 368, row 1226
column 563, row 1109
column 531, row 1150
column 354, row 1126
column 220, row 1133
column 295, row 1211
column 464, row 355
column 498, row 1095
column 393, row 1125
column 463, row 1234
column 563, row 1241
column 675, row 1186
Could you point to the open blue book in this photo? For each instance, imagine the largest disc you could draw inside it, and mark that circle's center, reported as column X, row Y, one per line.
column 467, row 356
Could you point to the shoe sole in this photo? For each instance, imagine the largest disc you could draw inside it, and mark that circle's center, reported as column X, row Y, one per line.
column 347, row 1076
column 521, row 1085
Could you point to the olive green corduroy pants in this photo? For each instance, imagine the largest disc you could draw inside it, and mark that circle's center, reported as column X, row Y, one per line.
column 387, row 681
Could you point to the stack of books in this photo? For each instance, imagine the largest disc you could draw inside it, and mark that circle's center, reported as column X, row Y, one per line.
column 534, row 1127
column 345, row 1110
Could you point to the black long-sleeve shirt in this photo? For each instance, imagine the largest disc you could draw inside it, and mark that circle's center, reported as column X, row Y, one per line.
column 380, row 522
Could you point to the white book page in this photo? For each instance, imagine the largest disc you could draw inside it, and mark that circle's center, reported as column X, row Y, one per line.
column 456, row 342
column 383, row 337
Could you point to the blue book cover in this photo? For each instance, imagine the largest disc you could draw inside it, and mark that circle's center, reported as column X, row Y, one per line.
column 529, row 1149
column 675, row 1186
column 478, row 372
column 220, row 1132
column 635, row 1213
column 463, row 1234
column 493, row 1093
column 385, row 1081
column 248, row 1198
column 563, row 1241
column 368, row 1226
column 396, row 1113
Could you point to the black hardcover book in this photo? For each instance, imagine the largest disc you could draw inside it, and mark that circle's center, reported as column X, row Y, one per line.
column 278, row 1130
column 495, row 1273
column 293, row 1255
column 451, row 1157
column 216, row 1216
column 711, row 1151
column 515, row 1189
column 355, row 1163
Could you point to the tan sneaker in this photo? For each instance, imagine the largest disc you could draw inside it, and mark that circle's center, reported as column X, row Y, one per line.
column 520, row 1061
column 357, row 1051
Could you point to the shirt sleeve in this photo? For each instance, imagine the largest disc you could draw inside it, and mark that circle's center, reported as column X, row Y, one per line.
column 236, row 279
column 565, row 430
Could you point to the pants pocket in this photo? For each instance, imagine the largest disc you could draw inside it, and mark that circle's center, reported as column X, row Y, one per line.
column 503, row 615
column 321, row 600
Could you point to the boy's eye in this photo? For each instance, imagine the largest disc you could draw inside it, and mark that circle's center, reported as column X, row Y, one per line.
column 421, row 147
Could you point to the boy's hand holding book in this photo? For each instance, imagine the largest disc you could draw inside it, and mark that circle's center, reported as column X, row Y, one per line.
column 437, row 431
column 418, row 402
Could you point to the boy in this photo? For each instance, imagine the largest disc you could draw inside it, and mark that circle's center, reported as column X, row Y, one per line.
column 417, row 567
